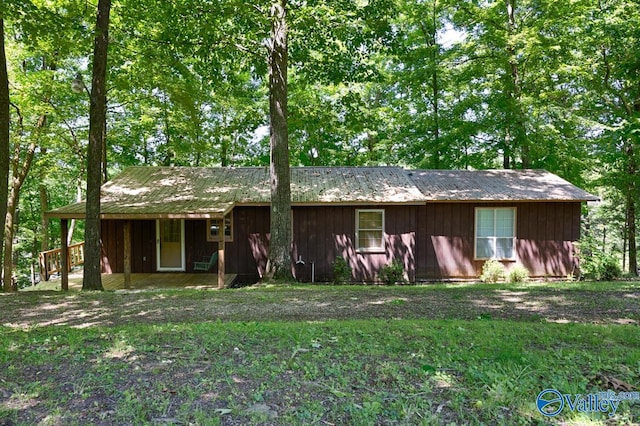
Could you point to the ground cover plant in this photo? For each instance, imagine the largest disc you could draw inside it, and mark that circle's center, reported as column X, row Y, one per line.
column 440, row 354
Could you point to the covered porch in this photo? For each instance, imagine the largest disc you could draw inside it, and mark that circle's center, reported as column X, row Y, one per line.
column 129, row 280
column 168, row 196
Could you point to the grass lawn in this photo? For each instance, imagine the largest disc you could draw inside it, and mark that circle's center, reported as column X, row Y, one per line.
column 438, row 354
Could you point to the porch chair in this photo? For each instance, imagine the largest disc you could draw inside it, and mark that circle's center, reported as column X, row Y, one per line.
column 205, row 265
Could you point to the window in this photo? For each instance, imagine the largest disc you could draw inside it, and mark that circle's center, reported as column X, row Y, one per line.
column 213, row 231
column 370, row 231
column 495, row 233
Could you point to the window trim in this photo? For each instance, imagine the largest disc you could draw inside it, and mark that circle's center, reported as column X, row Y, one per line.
column 183, row 257
column 359, row 249
column 227, row 238
column 494, row 238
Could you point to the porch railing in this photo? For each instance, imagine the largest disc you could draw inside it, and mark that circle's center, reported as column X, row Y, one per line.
column 51, row 260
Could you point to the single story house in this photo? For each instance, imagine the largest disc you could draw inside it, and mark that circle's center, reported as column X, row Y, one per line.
column 440, row 224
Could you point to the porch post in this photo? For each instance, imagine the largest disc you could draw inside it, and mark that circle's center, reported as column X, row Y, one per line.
column 64, row 254
column 127, row 254
column 221, row 238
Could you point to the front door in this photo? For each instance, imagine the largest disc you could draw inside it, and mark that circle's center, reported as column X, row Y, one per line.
column 170, row 245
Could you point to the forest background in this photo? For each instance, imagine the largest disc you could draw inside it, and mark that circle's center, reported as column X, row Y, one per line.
column 445, row 84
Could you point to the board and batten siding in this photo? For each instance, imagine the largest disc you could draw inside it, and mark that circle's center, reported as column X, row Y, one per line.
column 246, row 255
column 320, row 234
column 545, row 232
column 434, row 241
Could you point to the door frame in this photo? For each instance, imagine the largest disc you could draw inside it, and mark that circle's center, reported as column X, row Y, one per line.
column 159, row 268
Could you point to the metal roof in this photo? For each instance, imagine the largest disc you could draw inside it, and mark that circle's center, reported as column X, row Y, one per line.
column 496, row 185
column 197, row 192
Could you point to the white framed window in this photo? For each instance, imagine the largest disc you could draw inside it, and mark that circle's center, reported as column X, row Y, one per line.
column 370, row 231
column 213, row 231
column 495, row 233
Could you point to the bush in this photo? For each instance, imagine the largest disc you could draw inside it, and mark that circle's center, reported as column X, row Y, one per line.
column 609, row 268
column 492, row 271
column 392, row 273
column 595, row 264
column 341, row 271
column 518, row 274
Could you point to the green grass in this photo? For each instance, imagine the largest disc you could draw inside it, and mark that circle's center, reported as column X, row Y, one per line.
column 358, row 372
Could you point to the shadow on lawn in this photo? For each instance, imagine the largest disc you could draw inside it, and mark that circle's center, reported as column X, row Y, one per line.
column 83, row 310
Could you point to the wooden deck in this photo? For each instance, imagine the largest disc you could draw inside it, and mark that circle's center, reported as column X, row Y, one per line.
column 143, row 281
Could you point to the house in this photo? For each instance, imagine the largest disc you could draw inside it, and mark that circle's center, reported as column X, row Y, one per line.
column 440, row 224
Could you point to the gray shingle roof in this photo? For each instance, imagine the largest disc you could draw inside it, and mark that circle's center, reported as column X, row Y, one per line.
column 198, row 192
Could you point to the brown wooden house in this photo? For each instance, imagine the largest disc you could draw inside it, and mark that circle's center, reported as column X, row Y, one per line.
column 438, row 224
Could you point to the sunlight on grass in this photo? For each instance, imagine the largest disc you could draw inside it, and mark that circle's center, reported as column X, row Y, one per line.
column 391, row 300
column 417, row 355
column 120, row 350
column 484, row 372
column 19, row 402
column 442, row 379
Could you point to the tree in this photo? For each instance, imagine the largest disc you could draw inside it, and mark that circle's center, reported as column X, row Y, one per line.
column 513, row 64
column 539, row 84
column 4, row 138
column 97, row 137
column 607, row 81
column 425, row 122
column 280, row 242
column 40, row 40
column 21, row 165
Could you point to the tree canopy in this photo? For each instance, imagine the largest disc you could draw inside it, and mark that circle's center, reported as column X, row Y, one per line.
column 424, row 84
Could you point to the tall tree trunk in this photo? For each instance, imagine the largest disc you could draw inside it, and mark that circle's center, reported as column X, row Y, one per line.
column 105, row 172
column 506, row 154
column 97, row 137
column 632, row 191
column 515, row 117
column 632, row 194
column 44, row 206
column 631, row 224
column 435, row 87
column 224, row 140
column 4, row 137
column 280, row 242
column 20, row 172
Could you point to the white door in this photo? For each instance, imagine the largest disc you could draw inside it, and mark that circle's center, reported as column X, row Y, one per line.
column 170, row 245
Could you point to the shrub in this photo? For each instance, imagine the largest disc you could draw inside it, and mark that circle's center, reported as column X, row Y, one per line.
column 341, row 271
column 595, row 264
column 609, row 268
column 392, row 273
column 518, row 274
column 492, row 271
